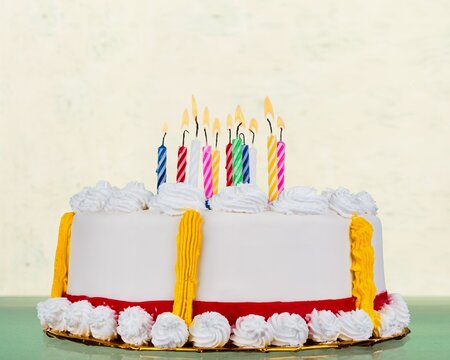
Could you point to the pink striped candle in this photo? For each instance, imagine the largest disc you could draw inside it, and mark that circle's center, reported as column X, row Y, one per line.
column 280, row 164
column 207, row 171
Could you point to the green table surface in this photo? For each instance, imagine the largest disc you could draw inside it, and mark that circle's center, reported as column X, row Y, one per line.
column 22, row 338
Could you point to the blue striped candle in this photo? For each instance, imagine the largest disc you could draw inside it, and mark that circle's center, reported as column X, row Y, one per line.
column 245, row 164
column 161, row 169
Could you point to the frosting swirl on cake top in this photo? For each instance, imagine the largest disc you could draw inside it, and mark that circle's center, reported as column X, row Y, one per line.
column 300, row 200
column 345, row 203
column 175, row 198
column 243, row 198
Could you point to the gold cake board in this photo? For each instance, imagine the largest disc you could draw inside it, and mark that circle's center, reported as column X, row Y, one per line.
column 308, row 346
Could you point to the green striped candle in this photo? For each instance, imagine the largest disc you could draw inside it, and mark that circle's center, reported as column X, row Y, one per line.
column 237, row 161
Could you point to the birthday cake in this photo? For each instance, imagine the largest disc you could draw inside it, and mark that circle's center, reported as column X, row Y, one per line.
column 229, row 269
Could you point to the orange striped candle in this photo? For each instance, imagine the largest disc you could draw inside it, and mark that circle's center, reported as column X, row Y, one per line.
column 216, row 157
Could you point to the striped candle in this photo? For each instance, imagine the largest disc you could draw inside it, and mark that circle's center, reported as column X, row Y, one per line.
column 181, row 164
column 237, row 161
column 161, row 168
column 207, row 172
column 280, row 165
column 229, row 164
column 245, row 165
column 215, row 170
column 272, row 167
column 252, row 156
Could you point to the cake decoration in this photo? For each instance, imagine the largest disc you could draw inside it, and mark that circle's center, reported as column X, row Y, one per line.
column 355, row 325
column 300, row 200
column 133, row 197
column 189, row 243
column 61, row 267
column 176, row 198
column 243, row 198
column 207, row 158
column 362, row 254
column 135, row 326
column 253, row 129
column 344, row 203
column 77, row 318
column 281, row 150
column 161, row 172
column 394, row 317
column 182, row 150
column 209, row 330
column 229, row 153
column 251, row 331
column 103, row 323
column 216, row 157
column 194, row 160
column 92, row 199
column 237, row 149
column 169, row 331
column 271, row 153
column 323, row 326
column 288, row 329
column 51, row 313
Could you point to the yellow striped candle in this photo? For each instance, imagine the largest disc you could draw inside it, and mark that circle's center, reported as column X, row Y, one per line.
column 271, row 154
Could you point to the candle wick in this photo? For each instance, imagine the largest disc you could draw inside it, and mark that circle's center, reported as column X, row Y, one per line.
column 164, row 138
column 242, row 135
column 217, row 138
column 237, row 129
column 270, row 125
column 196, row 127
column 253, row 136
column 229, row 135
column 281, row 134
column 184, row 134
column 206, row 136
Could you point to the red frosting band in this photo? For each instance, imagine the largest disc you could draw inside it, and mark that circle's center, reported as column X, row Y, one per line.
column 233, row 310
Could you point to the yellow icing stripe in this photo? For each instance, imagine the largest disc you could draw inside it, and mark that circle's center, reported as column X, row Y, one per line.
column 189, row 242
column 362, row 254
column 61, row 270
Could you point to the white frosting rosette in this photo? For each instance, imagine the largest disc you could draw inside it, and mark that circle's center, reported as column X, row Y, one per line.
column 133, row 197
column 92, row 199
column 51, row 313
column 169, row 331
column 323, row 326
column 103, row 323
column 251, row 331
column 355, row 325
column 394, row 317
column 300, row 200
column 288, row 329
column 243, row 198
column 345, row 203
column 77, row 318
column 135, row 326
column 176, row 198
column 209, row 330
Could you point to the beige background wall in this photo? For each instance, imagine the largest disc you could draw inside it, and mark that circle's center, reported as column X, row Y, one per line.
column 364, row 88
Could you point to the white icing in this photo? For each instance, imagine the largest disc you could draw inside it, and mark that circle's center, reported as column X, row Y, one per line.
column 244, row 198
column 175, row 198
column 367, row 203
column 288, row 329
column 51, row 313
column 323, row 326
column 92, row 199
column 394, row 317
column 209, row 330
column 355, row 325
column 401, row 309
column 169, row 331
column 345, row 203
column 103, row 323
column 252, row 331
column 300, row 200
column 77, row 318
column 133, row 197
column 389, row 325
column 135, row 326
